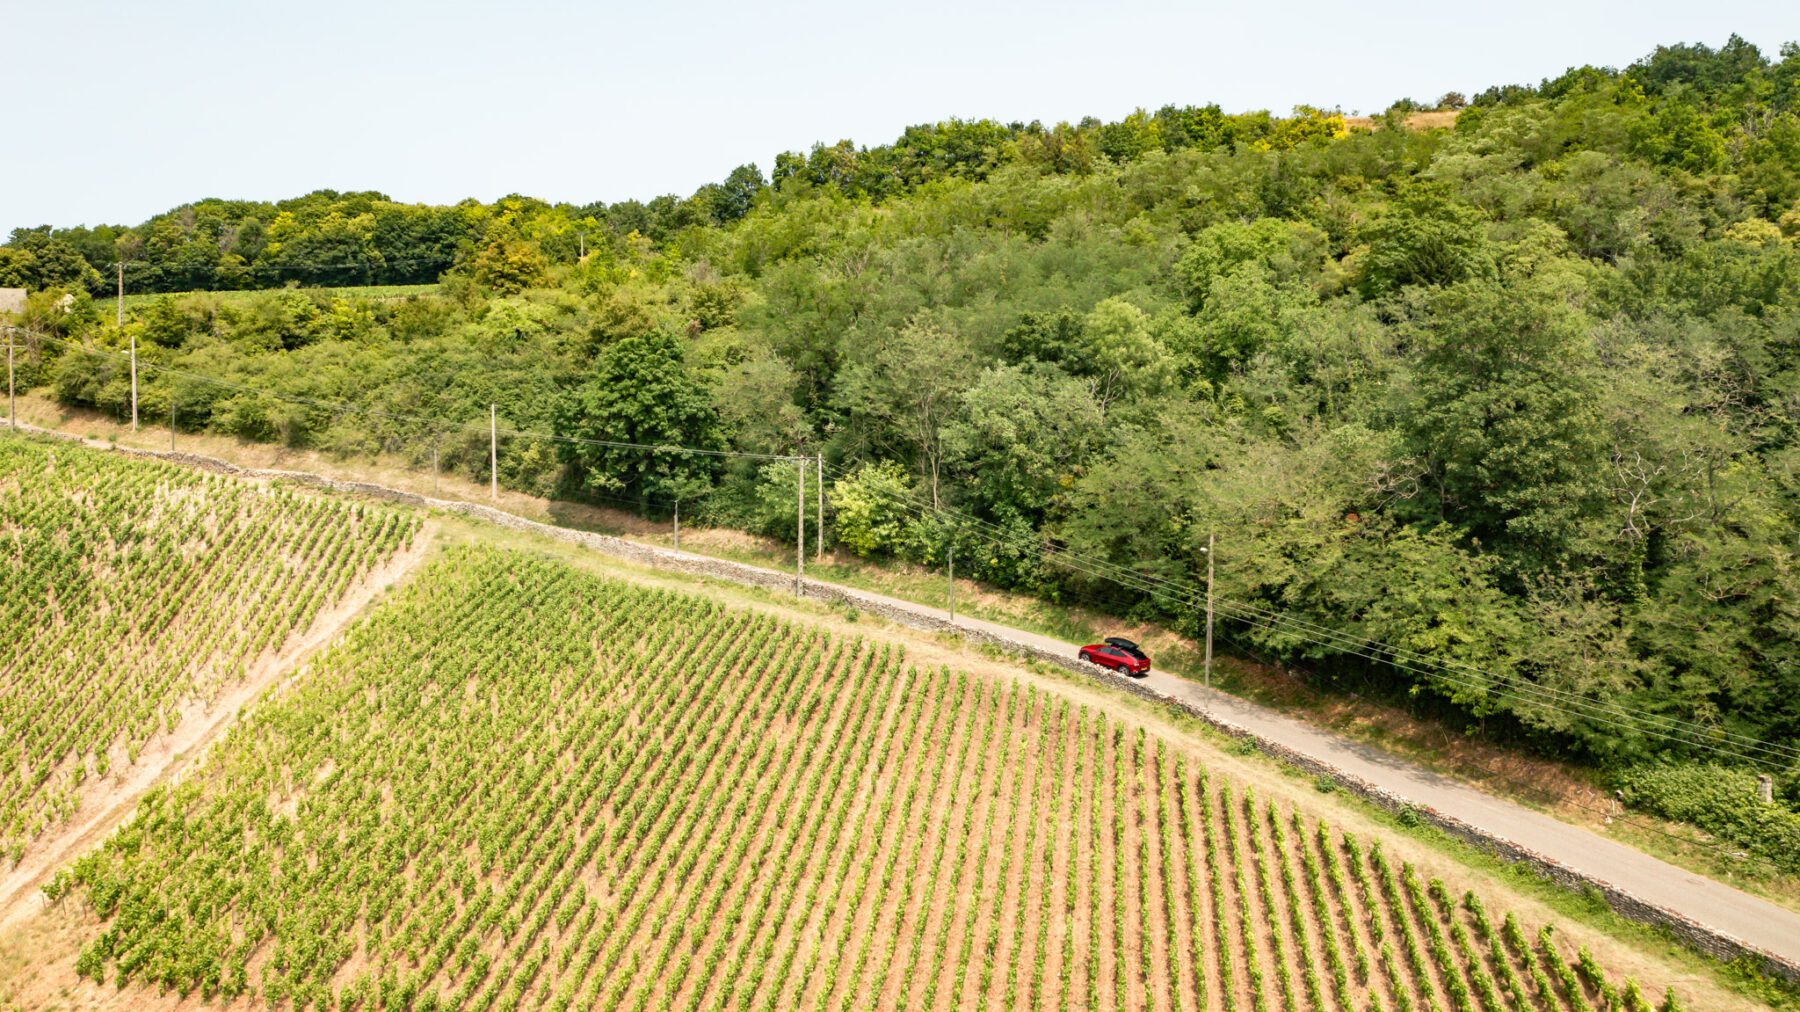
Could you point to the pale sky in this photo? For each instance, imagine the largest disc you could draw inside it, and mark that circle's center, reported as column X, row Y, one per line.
column 118, row 111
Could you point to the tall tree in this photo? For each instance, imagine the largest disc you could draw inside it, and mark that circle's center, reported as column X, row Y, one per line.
column 640, row 392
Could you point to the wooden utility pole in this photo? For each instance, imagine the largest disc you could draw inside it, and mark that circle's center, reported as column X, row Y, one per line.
column 1209, row 610
column 134, row 382
column 678, row 525
column 799, row 525
column 120, row 315
column 952, row 584
column 171, row 421
column 493, row 454
column 819, row 528
column 434, row 466
column 12, row 404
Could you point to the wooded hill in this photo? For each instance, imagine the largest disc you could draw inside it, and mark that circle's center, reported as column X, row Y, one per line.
column 1504, row 413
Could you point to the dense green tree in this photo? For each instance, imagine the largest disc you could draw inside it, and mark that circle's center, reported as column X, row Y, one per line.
column 36, row 260
column 1503, row 413
column 871, row 511
column 900, row 392
column 640, row 392
column 1423, row 241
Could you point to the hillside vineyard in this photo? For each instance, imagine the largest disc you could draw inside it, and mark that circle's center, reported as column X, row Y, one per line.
column 134, row 589
column 517, row 785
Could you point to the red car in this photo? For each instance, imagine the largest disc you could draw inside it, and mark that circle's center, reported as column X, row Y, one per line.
column 1118, row 654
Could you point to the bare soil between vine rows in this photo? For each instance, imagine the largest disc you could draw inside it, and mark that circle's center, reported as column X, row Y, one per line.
column 107, row 801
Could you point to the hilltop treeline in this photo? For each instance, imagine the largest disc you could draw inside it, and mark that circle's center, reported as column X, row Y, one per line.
column 1513, row 401
column 327, row 238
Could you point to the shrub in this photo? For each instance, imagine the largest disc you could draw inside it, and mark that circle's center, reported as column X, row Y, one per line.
column 1720, row 800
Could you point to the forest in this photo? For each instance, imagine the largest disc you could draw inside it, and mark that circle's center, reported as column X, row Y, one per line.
column 1501, row 415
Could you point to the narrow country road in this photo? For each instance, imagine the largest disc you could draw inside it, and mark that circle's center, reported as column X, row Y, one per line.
column 1728, row 911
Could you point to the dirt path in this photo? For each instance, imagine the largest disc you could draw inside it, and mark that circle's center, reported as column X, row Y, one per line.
column 108, row 801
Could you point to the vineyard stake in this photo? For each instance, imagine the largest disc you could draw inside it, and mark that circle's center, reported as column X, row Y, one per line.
column 493, row 456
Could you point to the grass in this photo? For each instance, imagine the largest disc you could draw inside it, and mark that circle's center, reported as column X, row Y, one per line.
column 768, row 815
column 1136, row 922
column 1573, row 793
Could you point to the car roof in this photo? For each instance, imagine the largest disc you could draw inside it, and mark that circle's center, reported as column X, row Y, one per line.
column 1120, row 641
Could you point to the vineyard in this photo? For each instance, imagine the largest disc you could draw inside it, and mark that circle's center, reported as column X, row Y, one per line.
column 519, row 785
column 134, row 589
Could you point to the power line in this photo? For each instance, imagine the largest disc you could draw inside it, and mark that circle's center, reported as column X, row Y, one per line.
column 434, row 425
column 1530, row 788
column 1511, row 781
column 1157, row 588
column 1524, row 693
column 1547, row 695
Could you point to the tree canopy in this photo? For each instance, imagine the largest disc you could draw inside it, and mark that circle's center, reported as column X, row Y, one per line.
column 1499, row 412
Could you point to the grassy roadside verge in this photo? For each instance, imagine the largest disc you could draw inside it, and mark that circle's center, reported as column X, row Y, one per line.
column 1588, row 909
column 1570, row 793
column 1231, row 755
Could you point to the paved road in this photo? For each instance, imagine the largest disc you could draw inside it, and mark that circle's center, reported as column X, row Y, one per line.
column 1755, row 921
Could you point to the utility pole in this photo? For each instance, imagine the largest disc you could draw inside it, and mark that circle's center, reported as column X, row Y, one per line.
column 819, row 528
column 493, row 454
column 952, row 584
column 799, row 525
column 1209, row 613
column 12, row 404
column 581, row 240
column 678, row 525
column 434, row 466
column 171, row 421
column 119, row 318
